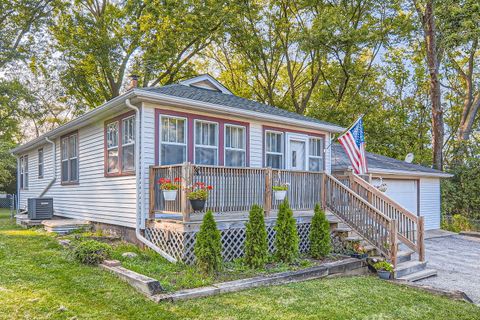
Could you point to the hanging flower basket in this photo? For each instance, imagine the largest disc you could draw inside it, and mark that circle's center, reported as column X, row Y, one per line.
column 280, row 192
column 198, row 205
column 280, row 195
column 198, row 195
column 170, row 195
column 169, row 188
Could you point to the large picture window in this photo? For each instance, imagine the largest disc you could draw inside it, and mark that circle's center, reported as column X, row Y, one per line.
column 206, row 142
column 24, row 172
column 235, row 146
column 274, row 149
column 120, row 146
column 315, row 154
column 69, row 158
column 173, row 140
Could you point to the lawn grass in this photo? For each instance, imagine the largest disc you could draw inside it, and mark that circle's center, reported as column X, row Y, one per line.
column 39, row 281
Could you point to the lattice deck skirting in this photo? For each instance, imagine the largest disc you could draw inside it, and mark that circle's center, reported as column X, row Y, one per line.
column 180, row 244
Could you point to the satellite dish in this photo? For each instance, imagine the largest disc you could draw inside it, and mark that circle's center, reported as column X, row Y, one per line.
column 409, row 158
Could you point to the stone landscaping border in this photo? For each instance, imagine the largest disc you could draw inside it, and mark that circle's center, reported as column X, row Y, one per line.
column 470, row 234
column 146, row 285
column 348, row 266
column 451, row 294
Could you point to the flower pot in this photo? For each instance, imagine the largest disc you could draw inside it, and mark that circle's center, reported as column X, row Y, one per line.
column 280, row 194
column 198, row 205
column 359, row 255
column 170, row 195
column 382, row 274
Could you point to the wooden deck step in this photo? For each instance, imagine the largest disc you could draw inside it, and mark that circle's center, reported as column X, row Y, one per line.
column 342, row 229
column 404, row 255
column 354, row 238
column 408, row 267
column 420, row 275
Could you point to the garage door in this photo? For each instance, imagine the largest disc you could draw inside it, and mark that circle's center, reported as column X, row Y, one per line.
column 404, row 192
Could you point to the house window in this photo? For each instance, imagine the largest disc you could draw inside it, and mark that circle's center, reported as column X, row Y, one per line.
column 315, row 154
column 69, row 157
column 235, row 146
column 120, row 145
column 24, row 172
column 173, row 137
column 40, row 163
column 274, row 149
column 206, row 142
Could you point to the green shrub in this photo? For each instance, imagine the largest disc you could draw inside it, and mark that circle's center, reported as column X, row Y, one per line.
column 208, row 246
column 256, row 243
column 91, row 252
column 457, row 224
column 320, row 241
column 286, row 238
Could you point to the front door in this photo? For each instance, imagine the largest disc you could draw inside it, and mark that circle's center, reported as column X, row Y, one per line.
column 296, row 153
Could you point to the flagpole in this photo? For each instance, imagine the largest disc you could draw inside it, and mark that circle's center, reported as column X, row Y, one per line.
column 331, row 140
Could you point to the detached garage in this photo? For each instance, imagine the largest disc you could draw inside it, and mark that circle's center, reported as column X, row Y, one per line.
column 414, row 187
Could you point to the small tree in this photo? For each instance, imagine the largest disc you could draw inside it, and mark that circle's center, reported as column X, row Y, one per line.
column 320, row 241
column 256, row 243
column 286, row 238
column 208, row 246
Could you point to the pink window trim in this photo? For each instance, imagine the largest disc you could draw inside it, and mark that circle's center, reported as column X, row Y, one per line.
column 284, row 131
column 191, row 117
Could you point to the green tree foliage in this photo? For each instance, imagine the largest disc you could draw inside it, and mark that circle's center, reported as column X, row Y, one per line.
column 100, row 41
column 286, row 238
column 256, row 243
column 320, row 241
column 460, row 193
column 208, row 246
column 19, row 20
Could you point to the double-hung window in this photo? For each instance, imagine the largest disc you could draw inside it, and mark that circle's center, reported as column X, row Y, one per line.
column 24, row 172
column 315, row 154
column 69, row 158
column 40, row 163
column 206, row 142
column 120, row 144
column 274, row 149
column 235, row 146
column 173, row 140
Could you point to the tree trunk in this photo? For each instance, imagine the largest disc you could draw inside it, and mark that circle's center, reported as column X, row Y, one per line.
column 435, row 93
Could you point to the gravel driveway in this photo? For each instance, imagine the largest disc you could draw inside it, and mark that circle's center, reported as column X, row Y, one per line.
column 457, row 260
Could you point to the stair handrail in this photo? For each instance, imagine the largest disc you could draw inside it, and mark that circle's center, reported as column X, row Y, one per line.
column 377, row 216
column 410, row 227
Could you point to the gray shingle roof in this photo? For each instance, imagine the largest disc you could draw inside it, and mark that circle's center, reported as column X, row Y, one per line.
column 230, row 100
column 340, row 161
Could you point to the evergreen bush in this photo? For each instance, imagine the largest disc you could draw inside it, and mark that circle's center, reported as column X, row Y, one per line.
column 208, row 246
column 256, row 242
column 320, row 241
column 286, row 238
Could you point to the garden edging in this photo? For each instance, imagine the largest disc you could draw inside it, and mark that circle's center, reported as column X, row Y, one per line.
column 344, row 267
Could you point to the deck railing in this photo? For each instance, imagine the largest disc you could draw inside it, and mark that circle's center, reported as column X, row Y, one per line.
column 369, row 222
column 235, row 189
column 410, row 227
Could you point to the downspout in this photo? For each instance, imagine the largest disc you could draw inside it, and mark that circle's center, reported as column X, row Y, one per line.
column 54, row 153
column 139, row 188
column 18, row 185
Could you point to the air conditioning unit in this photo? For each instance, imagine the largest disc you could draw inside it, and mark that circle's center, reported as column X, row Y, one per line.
column 40, row 208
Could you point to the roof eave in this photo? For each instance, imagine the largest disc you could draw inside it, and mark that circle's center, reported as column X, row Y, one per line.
column 228, row 110
column 74, row 123
column 410, row 173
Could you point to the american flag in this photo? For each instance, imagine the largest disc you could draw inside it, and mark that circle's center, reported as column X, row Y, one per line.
column 353, row 141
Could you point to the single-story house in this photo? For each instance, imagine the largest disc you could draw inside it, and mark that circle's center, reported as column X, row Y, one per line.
column 415, row 187
column 104, row 167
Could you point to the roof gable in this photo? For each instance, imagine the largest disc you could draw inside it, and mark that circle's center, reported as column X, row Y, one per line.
column 206, row 81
